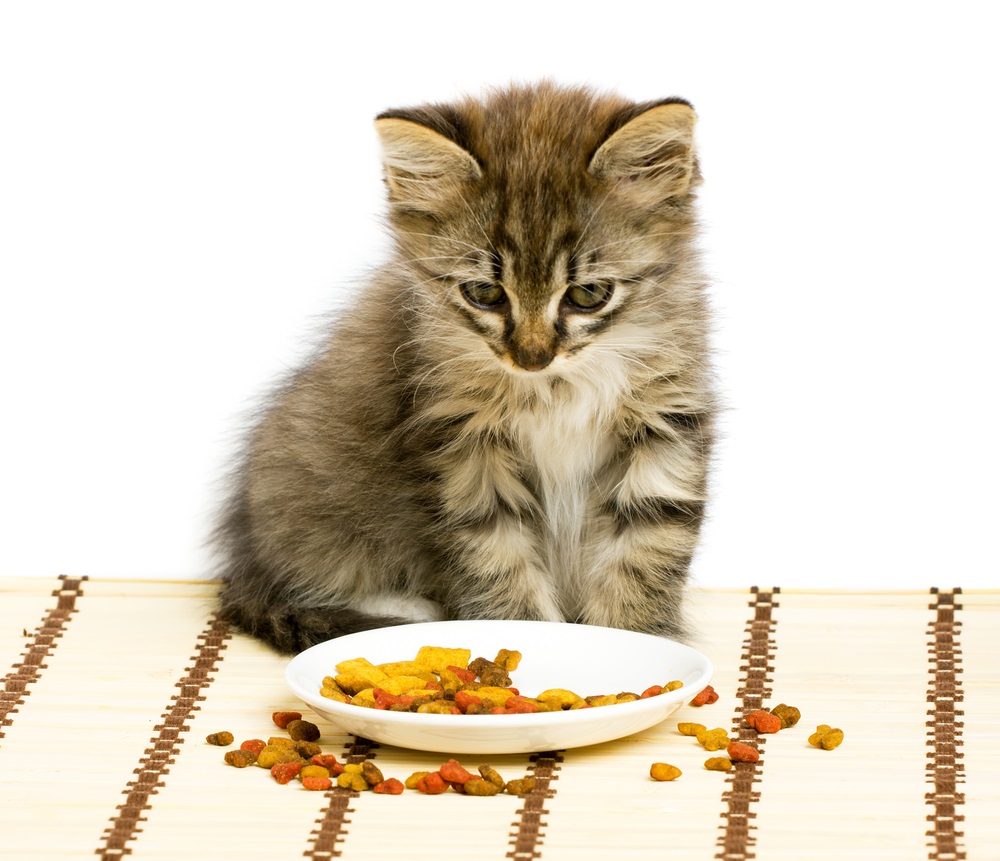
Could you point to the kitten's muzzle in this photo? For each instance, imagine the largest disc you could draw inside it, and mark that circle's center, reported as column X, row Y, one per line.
column 531, row 358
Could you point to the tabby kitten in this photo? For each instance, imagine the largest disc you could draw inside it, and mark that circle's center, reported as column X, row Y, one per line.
column 514, row 420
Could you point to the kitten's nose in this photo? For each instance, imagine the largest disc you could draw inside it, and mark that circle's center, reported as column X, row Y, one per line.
column 531, row 359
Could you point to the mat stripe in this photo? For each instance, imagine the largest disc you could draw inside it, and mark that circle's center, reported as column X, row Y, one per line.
column 329, row 830
column 164, row 745
column 23, row 674
column 945, row 769
column 737, row 838
column 526, row 838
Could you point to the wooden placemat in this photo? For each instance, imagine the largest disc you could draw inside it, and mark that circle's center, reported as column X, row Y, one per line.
column 113, row 686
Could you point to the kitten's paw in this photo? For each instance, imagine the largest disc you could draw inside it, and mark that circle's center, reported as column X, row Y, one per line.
column 411, row 608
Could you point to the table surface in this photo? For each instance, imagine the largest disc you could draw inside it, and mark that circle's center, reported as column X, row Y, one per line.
column 113, row 686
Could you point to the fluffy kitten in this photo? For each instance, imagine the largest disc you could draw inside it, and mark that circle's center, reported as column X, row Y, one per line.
column 514, row 419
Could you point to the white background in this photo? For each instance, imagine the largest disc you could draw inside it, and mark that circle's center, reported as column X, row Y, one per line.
column 187, row 188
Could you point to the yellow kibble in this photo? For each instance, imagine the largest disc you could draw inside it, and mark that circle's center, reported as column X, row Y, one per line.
column 718, row 763
column 412, row 781
column 826, row 737
column 693, row 729
column 314, row 771
column 352, row 780
column 663, row 771
column 676, row 684
column 713, row 739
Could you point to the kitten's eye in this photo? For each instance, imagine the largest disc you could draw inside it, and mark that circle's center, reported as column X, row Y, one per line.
column 483, row 295
column 588, row 296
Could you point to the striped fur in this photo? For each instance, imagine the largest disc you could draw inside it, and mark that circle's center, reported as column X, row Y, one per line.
column 451, row 454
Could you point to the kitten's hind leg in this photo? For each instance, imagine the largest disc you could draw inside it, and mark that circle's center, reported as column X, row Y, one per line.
column 291, row 624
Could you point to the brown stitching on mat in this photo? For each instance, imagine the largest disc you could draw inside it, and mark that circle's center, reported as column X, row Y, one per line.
column 153, row 766
column 329, row 830
column 737, row 838
column 526, row 839
column 26, row 671
column 944, row 767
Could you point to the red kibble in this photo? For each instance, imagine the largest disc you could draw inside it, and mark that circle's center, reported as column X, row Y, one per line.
column 463, row 699
column 497, row 710
column 390, row 786
column 254, row 744
column 433, row 686
column 520, row 706
column 329, row 762
column 651, row 691
column 316, row 783
column 464, row 676
column 705, row 697
column 739, row 752
column 432, row 784
column 283, row 719
column 453, row 772
column 763, row 721
column 283, row 772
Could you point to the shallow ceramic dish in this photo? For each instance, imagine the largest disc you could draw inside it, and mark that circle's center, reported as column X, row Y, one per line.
column 583, row 658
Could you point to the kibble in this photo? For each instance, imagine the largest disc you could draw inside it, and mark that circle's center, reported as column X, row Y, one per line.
column 826, row 737
column 664, row 771
column 303, row 730
column 788, row 715
column 718, row 763
column 222, row 739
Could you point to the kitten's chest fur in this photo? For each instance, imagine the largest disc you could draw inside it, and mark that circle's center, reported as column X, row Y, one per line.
column 564, row 441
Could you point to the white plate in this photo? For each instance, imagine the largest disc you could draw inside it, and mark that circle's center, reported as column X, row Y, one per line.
column 583, row 658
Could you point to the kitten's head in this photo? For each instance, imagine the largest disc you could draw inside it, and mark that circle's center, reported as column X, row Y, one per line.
column 544, row 221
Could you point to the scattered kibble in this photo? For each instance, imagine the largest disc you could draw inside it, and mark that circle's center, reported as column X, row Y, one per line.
column 520, row 786
column 685, row 728
column 488, row 772
column 317, row 783
column 254, row 744
column 240, row 758
column 826, row 737
column 713, row 739
column 222, row 739
column 302, row 730
column 664, row 771
column 718, row 763
column 283, row 772
column 707, row 696
column 788, row 715
column 763, row 721
column 392, row 786
column 479, row 786
column 740, row 752
column 283, row 719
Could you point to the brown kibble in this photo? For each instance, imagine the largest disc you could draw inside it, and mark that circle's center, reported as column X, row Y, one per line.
column 763, row 721
column 826, row 737
column 740, row 752
column 371, row 773
column 685, row 728
column 492, row 775
column 303, row 730
column 317, row 783
column 788, row 715
column 222, row 739
column 520, row 786
column 663, row 771
column 479, row 786
column 283, row 719
column 307, row 749
column 240, row 758
column 718, row 763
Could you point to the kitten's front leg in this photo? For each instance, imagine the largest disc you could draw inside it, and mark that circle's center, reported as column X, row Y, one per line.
column 490, row 529
column 642, row 535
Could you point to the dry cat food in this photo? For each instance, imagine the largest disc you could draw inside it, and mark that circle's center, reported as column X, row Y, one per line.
column 222, row 739
column 826, row 737
column 288, row 759
column 664, row 771
column 443, row 680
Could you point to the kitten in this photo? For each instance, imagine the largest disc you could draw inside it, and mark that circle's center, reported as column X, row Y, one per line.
column 514, row 420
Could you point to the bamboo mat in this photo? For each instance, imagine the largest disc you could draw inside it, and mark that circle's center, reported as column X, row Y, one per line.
column 113, row 687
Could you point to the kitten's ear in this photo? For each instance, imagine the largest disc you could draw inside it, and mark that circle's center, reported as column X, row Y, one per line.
column 423, row 168
column 652, row 154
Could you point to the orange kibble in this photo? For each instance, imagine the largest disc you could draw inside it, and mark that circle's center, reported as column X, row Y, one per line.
column 283, row 719
column 740, row 752
column 763, row 721
column 705, row 697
